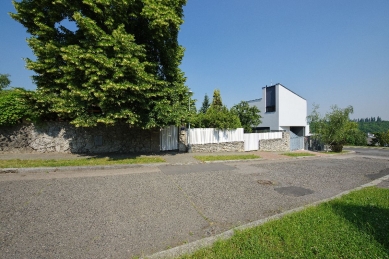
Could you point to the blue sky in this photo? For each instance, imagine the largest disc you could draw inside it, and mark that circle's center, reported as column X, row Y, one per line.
column 328, row 51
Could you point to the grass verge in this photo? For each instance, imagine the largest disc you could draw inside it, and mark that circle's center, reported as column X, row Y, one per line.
column 353, row 226
column 20, row 163
column 334, row 153
column 297, row 154
column 226, row 157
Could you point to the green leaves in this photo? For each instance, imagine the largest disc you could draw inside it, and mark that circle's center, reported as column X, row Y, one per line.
column 216, row 116
column 4, row 81
column 249, row 116
column 119, row 64
column 13, row 106
column 335, row 128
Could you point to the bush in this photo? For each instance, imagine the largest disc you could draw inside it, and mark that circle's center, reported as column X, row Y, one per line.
column 335, row 128
column 13, row 106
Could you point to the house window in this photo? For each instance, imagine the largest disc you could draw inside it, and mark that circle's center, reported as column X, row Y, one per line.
column 271, row 99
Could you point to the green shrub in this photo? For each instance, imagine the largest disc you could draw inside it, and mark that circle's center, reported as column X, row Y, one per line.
column 13, row 106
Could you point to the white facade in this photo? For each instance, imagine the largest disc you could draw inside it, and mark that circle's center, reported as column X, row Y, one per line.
column 284, row 110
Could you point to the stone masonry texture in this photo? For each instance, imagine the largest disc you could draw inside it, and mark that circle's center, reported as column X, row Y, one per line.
column 63, row 137
column 282, row 144
column 218, row 147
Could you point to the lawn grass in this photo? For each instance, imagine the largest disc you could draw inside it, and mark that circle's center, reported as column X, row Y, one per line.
column 297, row 154
column 334, row 153
column 353, row 226
column 20, row 163
column 226, row 157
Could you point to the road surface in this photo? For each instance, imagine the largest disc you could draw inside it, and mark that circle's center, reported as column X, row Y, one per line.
column 122, row 213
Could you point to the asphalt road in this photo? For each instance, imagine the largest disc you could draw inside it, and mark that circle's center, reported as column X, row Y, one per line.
column 367, row 151
column 142, row 210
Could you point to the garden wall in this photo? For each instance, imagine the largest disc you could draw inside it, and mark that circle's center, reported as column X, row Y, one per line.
column 237, row 146
column 63, row 137
column 281, row 144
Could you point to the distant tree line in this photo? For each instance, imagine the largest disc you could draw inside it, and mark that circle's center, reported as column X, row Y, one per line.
column 376, row 126
column 372, row 124
column 371, row 119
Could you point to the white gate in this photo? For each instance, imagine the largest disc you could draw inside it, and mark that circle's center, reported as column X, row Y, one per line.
column 169, row 138
column 251, row 141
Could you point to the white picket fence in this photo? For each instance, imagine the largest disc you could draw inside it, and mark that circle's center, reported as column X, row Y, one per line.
column 211, row 135
column 251, row 140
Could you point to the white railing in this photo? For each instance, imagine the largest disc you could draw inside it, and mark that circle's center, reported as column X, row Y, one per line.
column 269, row 135
column 211, row 135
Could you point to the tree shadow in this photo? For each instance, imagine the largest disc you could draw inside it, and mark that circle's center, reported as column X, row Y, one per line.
column 370, row 219
column 130, row 155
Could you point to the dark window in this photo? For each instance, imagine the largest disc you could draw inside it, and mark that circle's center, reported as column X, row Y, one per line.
column 271, row 99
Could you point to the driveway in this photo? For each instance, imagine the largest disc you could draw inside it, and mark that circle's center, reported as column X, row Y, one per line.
column 139, row 211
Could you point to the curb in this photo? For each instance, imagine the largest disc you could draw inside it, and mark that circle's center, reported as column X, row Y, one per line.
column 73, row 168
column 208, row 241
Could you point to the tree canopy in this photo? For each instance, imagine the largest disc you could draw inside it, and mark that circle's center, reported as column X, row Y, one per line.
column 373, row 126
column 107, row 61
column 335, row 128
column 249, row 116
column 205, row 105
column 381, row 138
column 217, row 115
column 4, row 81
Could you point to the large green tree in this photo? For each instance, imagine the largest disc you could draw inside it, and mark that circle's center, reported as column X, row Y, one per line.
column 249, row 116
column 107, row 61
column 335, row 128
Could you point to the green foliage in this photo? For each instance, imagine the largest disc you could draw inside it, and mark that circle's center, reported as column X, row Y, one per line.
column 357, row 139
column 120, row 63
column 21, row 163
column 13, row 106
column 335, row 128
column 297, row 154
column 4, row 81
column 205, row 105
column 248, row 115
column 216, row 100
column 221, row 118
column 217, row 116
column 226, row 157
column 375, row 126
column 381, row 138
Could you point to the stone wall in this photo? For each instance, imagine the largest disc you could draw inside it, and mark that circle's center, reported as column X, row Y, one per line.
column 65, row 138
column 182, row 141
column 218, row 147
column 281, row 144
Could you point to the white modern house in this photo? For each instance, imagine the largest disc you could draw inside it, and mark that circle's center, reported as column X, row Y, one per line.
column 281, row 109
